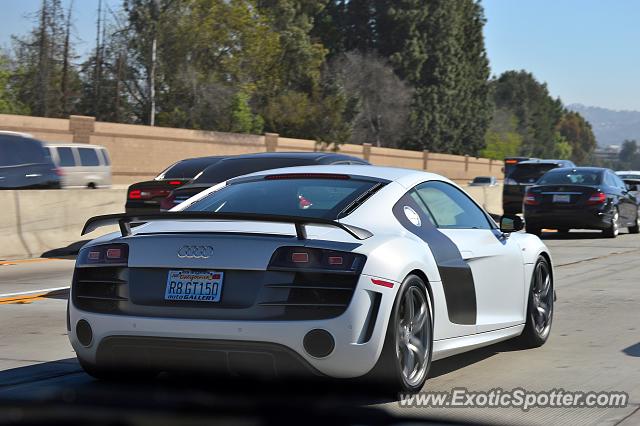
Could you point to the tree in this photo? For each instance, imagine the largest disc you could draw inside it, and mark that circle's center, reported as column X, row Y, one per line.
column 537, row 112
column 629, row 155
column 381, row 98
column 9, row 104
column 437, row 48
column 502, row 138
column 242, row 119
column 43, row 79
column 579, row 134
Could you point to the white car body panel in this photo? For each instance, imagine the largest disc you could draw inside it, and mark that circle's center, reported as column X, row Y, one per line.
column 501, row 267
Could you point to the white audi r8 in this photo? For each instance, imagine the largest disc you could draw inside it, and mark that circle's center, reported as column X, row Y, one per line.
column 338, row 271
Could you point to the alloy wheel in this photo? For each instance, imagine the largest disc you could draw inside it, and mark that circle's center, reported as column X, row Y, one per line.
column 542, row 298
column 413, row 336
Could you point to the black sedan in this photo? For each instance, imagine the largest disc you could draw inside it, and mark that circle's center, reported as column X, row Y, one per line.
column 145, row 197
column 581, row 198
column 250, row 163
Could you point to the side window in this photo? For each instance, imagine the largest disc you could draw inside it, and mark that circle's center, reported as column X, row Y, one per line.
column 451, row 208
column 29, row 151
column 423, row 208
column 88, row 157
column 66, row 157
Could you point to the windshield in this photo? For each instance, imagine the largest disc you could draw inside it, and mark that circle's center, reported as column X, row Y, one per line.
column 530, row 173
column 482, row 180
column 228, row 169
column 314, row 198
column 579, row 177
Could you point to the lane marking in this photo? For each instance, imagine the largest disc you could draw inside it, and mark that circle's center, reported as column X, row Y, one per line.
column 30, row 296
column 19, row 261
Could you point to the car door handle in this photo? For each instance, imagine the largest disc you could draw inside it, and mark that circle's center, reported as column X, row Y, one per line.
column 33, row 175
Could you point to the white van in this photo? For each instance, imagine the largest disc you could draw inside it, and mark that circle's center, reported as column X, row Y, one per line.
column 82, row 165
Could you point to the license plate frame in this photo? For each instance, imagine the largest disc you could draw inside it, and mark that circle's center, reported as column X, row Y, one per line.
column 185, row 285
column 561, row 198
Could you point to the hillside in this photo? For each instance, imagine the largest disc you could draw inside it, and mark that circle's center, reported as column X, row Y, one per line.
column 611, row 127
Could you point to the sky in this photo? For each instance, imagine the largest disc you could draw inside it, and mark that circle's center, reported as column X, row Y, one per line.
column 587, row 51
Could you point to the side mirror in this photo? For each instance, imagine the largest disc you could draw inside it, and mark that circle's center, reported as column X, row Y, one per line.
column 510, row 223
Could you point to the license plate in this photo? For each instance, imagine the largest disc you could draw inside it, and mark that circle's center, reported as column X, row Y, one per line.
column 558, row 198
column 194, row 286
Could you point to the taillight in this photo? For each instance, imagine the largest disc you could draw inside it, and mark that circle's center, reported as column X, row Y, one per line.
column 597, row 198
column 175, row 182
column 531, row 200
column 104, row 255
column 147, row 194
column 304, row 258
column 59, row 171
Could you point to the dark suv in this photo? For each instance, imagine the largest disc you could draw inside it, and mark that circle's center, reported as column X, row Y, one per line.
column 25, row 163
column 523, row 175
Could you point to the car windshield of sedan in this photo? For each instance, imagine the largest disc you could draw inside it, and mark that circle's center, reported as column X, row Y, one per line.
column 572, row 177
column 482, row 179
column 301, row 197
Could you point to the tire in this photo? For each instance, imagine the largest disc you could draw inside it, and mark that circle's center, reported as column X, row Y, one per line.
column 541, row 296
column 112, row 374
column 403, row 342
column 614, row 229
column 636, row 228
column 537, row 231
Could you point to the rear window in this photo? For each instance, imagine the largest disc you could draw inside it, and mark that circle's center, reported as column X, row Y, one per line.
column 88, row 157
column 187, row 169
column 313, row 198
column 66, row 157
column 530, row 173
column 568, row 177
column 18, row 150
column 228, row 169
column 628, row 176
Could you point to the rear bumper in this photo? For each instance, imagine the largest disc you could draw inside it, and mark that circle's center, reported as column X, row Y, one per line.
column 568, row 218
column 190, row 355
column 358, row 335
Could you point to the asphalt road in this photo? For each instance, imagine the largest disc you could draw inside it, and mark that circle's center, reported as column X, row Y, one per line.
column 594, row 345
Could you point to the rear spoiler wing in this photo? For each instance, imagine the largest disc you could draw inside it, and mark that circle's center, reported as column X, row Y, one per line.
column 124, row 221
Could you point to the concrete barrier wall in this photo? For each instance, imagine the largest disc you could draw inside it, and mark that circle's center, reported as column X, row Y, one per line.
column 141, row 152
column 34, row 222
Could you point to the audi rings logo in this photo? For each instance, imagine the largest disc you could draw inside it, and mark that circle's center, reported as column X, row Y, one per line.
column 195, row 252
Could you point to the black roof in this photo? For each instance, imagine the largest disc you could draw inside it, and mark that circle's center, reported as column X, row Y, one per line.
column 547, row 161
column 580, row 169
column 203, row 159
column 318, row 156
